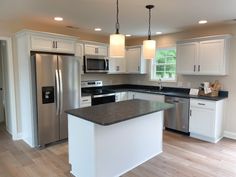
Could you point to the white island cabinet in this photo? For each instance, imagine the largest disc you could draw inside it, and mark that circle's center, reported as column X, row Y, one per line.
column 206, row 119
column 107, row 144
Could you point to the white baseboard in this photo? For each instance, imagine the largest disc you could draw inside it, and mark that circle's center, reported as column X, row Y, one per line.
column 19, row 136
column 230, row 135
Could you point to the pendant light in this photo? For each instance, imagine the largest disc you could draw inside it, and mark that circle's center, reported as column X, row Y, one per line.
column 149, row 46
column 117, row 40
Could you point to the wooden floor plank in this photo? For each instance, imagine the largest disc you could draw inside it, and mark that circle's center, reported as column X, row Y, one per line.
column 182, row 157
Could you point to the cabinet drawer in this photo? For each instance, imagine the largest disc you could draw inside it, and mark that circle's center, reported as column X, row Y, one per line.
column 85, row 99
column 202, row 103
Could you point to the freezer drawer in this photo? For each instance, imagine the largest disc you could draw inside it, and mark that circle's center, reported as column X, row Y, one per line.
column 177, row 118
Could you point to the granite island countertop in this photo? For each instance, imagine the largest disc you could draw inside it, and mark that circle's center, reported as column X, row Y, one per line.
column 111, row 113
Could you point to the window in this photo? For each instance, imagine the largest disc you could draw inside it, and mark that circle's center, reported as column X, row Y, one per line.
column 164, row 65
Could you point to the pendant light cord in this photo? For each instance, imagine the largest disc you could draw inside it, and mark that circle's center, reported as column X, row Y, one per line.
column 117, row 17
column 149, row 26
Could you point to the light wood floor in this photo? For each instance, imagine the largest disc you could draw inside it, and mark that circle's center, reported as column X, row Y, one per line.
column 182, row 157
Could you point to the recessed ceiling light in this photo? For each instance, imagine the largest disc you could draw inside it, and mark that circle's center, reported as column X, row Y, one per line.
column 59, row 19
column 158, row 32
column 128, row 35
column 202, row 22
column 97, row 29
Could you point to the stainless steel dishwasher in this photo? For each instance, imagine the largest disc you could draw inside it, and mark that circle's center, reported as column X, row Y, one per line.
column 177, row 118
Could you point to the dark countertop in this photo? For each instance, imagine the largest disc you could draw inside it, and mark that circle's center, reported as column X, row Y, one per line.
column 111, row 113
column 167, row 91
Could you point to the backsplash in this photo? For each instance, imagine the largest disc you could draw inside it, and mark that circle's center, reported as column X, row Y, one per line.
column 108, row 79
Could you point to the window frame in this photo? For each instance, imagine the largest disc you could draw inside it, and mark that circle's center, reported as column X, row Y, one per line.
column 153, row 66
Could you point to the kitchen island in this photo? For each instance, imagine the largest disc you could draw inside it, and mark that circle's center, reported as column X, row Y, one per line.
column 109, row 140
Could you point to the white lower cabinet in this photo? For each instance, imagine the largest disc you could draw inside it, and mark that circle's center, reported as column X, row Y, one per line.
column 206, row 119
column 150, row 97
column 145, row 96
column 85, row 101
column 121, row 96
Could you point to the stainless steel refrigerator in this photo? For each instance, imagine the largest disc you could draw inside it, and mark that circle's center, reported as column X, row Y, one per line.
column 56, row 88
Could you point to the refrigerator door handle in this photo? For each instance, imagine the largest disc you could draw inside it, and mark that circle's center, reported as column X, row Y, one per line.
column 58, row 93
column 61, row 92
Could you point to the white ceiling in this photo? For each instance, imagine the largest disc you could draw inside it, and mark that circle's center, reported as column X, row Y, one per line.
column 168, row 15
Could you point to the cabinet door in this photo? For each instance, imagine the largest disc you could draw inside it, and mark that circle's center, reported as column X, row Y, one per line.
column 65, row 46
column 79, row 53
column 202, row 122
column 187, row 56
column 130, row 95
column 95, row 50
column 133, row 60
column 40, row 43
column 102, row 50
column 123, row 96
column 117, row 65
column 211, row 57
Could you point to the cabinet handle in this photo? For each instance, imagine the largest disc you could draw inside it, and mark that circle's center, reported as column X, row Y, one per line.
column 138, row 68
column 190, row 112
column 199, row 68
column 202, row 104
column 53, row 44
column 117, row 68
column 96, row 50
column 194, row 68
column 85, row 100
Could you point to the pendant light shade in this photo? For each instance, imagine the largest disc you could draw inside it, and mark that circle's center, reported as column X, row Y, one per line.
column 117, row 45
column 149, row 49
column 117, row 40
column 149, row 46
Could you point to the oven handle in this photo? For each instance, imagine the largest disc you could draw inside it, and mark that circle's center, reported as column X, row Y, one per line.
column 103, row 95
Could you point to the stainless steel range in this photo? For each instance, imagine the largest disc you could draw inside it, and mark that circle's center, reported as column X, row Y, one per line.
column 98, row 93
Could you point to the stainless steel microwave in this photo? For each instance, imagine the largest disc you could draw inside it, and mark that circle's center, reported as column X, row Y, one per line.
column 96, row 64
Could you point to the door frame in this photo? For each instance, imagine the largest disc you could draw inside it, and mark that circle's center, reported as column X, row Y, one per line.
column 12, row 92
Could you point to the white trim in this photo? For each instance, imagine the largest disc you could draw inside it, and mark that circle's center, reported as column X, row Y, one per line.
column 230, row 135
column 12, row 101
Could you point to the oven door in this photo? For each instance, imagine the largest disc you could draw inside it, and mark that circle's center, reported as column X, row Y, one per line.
column 102, row 99
column 96, row 64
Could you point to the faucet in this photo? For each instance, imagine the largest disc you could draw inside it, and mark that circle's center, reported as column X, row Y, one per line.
column 160, row 84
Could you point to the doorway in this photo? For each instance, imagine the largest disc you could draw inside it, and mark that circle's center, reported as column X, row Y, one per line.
column 8, row 122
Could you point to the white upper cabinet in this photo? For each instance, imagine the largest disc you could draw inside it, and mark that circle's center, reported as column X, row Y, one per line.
column 212, row 57
column 135, row 63
column 187, row 55
column 52, row 43
column 117, row 65
column 90, row 49
column 79, row 52
column 203, row 56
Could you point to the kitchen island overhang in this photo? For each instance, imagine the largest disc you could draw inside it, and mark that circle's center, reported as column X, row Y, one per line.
column 100, row 146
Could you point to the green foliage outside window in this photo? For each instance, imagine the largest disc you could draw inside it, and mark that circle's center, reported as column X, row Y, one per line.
column 165, row 64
